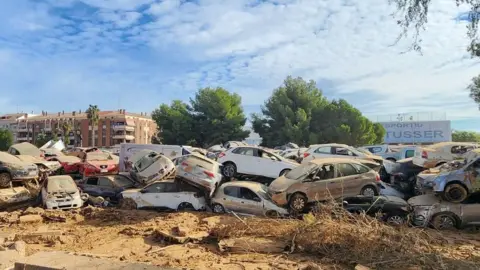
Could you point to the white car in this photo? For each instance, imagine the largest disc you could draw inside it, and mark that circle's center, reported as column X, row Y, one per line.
column 61, row 192
column 199, row 171
column 245, row 197
column 152, row 167
column 338, row 151
column 165, row 195
column 251, row 160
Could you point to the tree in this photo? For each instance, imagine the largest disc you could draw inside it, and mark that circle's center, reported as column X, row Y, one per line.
column 298, row 112
column 41, row 139
column 66, row 129
column 213, row 116
column 465, row 136
column 6, row 139
column 415, row 14
column 93, row 118
column 474, row 89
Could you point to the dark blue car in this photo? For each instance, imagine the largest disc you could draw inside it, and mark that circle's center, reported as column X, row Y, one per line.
column 106, row 186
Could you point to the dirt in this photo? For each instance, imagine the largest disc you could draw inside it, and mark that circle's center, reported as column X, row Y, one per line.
column 137, row 236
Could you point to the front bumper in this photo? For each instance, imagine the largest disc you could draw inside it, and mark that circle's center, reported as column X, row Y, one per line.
column 280, row 198
column 64, row 203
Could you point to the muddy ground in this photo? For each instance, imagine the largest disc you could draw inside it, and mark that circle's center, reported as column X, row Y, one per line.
column 143, row 236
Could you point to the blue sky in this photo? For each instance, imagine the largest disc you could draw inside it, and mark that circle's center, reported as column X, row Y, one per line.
column 64, row 54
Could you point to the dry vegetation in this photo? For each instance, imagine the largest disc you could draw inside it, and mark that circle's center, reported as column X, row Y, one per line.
column 338, row 241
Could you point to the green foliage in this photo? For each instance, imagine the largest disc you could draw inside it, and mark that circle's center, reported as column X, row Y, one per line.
column 93, row 115
column 66, row 128
column 474, row 89
column 465, row 136
column 298, row 112
column 213, row 116
column 6, row 139
column 41, row 139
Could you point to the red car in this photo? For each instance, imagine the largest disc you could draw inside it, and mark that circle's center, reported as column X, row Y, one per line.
column 70, row 164
column 98, row 163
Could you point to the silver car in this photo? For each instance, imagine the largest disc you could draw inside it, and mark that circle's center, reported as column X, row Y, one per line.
column 245, row 197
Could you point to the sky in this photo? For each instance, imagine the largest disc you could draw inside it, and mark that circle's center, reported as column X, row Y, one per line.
column 136, row 54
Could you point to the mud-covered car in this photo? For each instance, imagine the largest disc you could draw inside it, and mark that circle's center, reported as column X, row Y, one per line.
column 70, row 164
column 30, row 153
column 61, row 192
column 152, row 167
column 16, row 197
column 99, row 163
column 13, row 169
column 425, row 179
column 390, row 209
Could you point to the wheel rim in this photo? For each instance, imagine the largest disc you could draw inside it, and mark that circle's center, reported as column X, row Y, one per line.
column 217, row 208
column 298, row 204
column 368, row 192
column 229, row 171
column 455, row 194
column 395, row 220
column 4, row 179
column 446, row 222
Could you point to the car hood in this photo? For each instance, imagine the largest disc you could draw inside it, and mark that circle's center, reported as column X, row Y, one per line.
column 424, row 200
column 97, row 163
column 131, row 191
column 52, row 165
column 281, row 183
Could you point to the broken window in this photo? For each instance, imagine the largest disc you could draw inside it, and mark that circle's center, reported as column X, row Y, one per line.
column 343, row 151
column 232, row 191
column 461, row 149
column 104, row 182
column 326, row 172
column 267, row 155
column 324, row 150
column 345, row 169
column 247, row 194
column 92, row 181
column 360, row 169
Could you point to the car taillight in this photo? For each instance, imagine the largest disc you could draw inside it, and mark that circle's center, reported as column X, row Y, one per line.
column 222, row 154
column 424, row 154
column 306, row 154
column 377, row 177
column 209, row 174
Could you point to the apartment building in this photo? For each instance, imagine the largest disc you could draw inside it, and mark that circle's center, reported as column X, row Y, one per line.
column 10, row 121
column 114, row 127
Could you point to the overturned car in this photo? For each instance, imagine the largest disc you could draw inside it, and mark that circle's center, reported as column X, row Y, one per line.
column 150, row 166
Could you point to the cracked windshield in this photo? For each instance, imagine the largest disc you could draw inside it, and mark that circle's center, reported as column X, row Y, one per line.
column 240, row 134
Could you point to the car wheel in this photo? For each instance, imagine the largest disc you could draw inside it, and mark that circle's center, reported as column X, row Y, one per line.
column 229, row 170
column 298, row 202
column 395, row 220
column 369, row 191
column 5, row 180
column 284, row 172
column 272, row 214
column 218, row 208
column 128, row 204
column 444, row 221
column 184, row 206
column 455, row 193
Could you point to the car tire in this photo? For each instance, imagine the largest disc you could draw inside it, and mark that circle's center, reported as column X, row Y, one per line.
column 5, row 180
column 128, row 204
column 283, row 172
column 455, row 193
column 298, row 202
column 272, row 214
column 229, row 170
column 395, row 219
column 369, row 191
column 185, row 206
column 218, row 208
column 444, row 221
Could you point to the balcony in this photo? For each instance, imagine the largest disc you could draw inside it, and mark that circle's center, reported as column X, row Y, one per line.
column 24, row 138
column 123, row 127
column 47, row 129
column 124, row 137
column 23, row 129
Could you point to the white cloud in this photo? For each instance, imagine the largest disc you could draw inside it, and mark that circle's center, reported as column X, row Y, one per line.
column 246, row 47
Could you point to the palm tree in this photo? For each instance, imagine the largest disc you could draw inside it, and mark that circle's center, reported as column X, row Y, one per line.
column 93, row 118
column 66, row 128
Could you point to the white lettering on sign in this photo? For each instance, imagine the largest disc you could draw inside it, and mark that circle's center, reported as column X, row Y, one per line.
column 417, row 132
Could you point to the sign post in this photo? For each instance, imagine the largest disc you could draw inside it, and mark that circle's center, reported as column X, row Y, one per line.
column 417, row 131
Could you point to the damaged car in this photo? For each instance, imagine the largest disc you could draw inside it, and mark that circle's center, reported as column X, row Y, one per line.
column 61, row 192
column 425, row 179
column 321, row 180
column 390, row 209
column 106, row 186
column 199, row 171
column 13, row 169
column 70, row 164
column 402, row 175
column 431, row 211
column 165, row 195
column 30, row 153
column 152, row 166
column 440, row 153
column 98, row 163
column 245, row 197
column 17, row 197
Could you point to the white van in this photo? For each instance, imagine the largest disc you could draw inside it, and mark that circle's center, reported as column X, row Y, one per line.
column 170, row 151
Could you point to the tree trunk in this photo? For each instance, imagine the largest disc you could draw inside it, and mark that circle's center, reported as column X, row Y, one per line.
column 93, row 137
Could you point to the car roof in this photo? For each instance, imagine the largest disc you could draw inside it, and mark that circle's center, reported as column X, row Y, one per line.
column 333, row 160
column 246, row 184
column 331, row 144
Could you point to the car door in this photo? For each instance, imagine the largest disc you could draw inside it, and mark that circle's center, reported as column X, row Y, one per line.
column 90, row 186
column 106, row 187
column 250, row 202
column 319, row 184
column 232, row 201
column 122, row 183
column 470, row 209
column 150, row 195
column 246, row 160
column 347, row 180
column 268, row 164
column 321, row 152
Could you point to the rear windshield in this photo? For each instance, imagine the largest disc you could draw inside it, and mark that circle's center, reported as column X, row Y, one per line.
column 301, row 171
column 200, row 162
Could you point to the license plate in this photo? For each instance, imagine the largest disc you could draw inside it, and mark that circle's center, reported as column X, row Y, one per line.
column 103, row 170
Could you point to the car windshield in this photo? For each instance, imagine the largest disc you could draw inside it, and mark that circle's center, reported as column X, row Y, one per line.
column 264, row 193
column 301, row 171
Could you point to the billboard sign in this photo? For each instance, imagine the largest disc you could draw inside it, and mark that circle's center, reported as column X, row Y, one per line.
column 417, row 132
